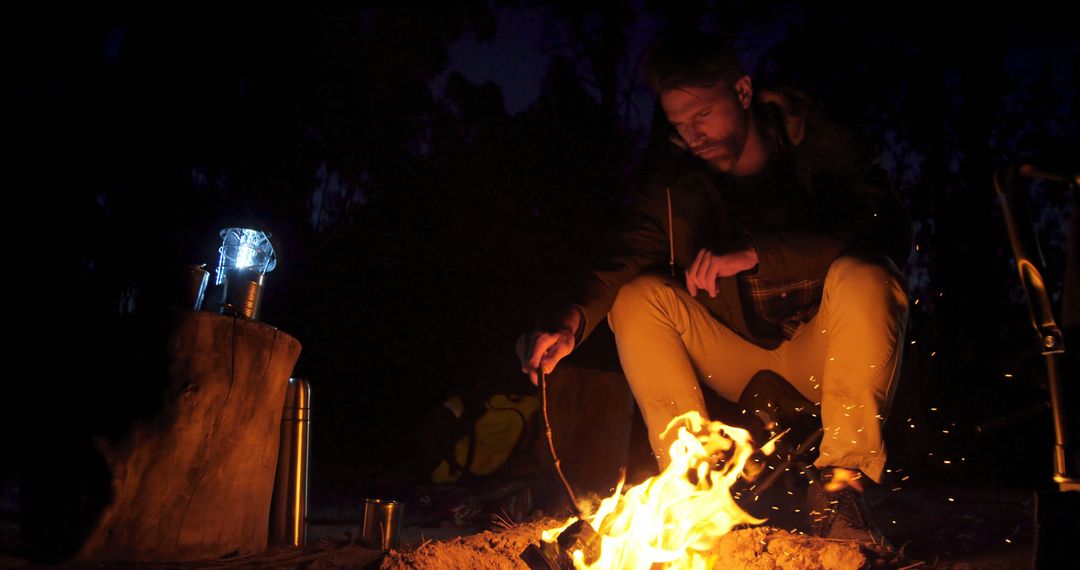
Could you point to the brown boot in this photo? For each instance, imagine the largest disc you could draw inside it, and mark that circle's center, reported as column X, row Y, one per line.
column 840, row 514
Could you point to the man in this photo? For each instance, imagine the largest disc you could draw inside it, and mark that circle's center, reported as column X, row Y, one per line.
column 788, row 244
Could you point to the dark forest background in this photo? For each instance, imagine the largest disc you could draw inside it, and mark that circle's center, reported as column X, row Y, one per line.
column 421, row 225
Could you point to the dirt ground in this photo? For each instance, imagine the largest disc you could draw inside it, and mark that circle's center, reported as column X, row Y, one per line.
column 754, row 548
column 932, row 524
column 978, row 528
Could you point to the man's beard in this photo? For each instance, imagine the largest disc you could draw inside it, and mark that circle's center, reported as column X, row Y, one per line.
column 723, row 154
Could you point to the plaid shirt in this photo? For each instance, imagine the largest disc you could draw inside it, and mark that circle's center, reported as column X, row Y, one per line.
column 774, row 307
column 778, row 307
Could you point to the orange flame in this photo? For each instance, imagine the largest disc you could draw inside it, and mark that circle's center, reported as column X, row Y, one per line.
column 674, row 518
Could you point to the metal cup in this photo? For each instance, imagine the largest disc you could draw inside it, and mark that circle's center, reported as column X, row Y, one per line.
column 197, row 278
column 380, row 528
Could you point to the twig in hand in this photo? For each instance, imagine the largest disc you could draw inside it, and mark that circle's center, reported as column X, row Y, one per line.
column 542, row 386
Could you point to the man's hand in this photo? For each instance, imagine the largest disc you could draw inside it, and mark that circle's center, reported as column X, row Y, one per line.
column 543, row 349
column 708, row 267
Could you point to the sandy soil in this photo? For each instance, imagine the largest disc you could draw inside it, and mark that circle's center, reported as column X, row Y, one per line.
column 761, row 548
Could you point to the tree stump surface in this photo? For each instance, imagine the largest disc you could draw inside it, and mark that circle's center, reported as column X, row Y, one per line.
column 590, row 413
column 195, row 481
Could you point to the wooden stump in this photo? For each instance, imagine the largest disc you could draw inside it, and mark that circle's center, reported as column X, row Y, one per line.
column 590, row 413
column 195, row 481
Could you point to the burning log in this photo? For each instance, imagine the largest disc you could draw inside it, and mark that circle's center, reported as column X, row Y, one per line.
column 558, row 555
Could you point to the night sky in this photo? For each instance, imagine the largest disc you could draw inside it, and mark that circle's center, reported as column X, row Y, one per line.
column 432, row 179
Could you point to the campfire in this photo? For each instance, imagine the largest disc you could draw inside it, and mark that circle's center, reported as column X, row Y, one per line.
column 674, row 518
column 688, row 516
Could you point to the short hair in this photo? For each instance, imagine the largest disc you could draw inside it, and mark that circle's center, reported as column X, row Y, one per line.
column 697, row 59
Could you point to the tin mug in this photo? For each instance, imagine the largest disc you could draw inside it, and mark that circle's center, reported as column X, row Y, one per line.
column 380, row 527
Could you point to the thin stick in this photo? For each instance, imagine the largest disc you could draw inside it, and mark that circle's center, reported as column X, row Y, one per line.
column 671, row 235
column 542, row 385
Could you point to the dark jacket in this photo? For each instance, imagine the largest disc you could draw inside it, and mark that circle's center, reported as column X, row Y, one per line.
column 820, row 196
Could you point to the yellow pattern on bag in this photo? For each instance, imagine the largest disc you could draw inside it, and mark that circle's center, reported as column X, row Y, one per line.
column 497, row 433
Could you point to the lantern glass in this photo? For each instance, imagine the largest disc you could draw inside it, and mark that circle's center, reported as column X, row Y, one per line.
column 243, row 248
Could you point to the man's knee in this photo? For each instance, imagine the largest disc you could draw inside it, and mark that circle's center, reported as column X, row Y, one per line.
column 862, row 276
column 639, row 294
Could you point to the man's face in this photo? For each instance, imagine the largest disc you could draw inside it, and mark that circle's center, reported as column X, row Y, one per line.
column 714, row 121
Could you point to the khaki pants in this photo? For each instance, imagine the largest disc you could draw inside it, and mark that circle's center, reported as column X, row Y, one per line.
column 846, row 358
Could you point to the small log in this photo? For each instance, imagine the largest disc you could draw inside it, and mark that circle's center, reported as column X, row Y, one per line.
column 590, row 413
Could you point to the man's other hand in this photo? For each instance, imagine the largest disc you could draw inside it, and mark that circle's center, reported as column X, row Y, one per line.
column 708, row 267
column 543, row 349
